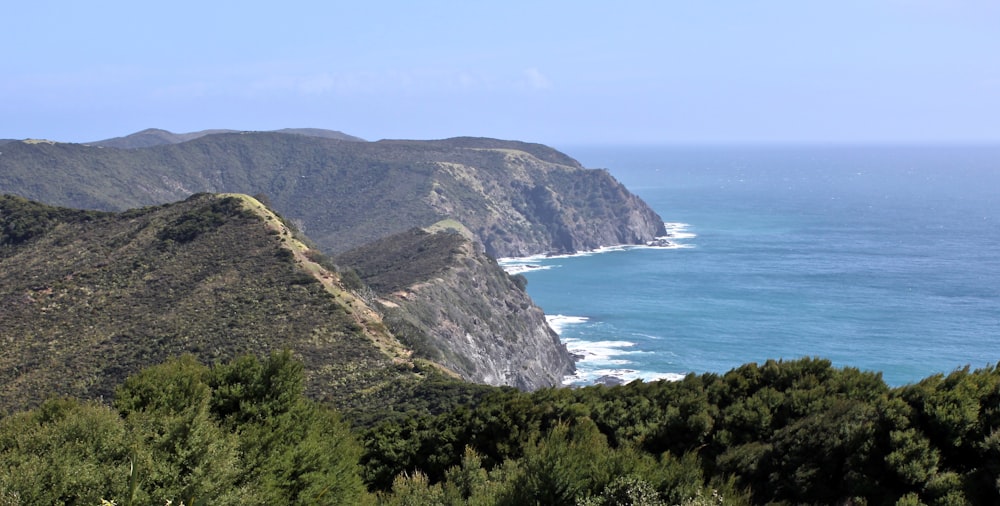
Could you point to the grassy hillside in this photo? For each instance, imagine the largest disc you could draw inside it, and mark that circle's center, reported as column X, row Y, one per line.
column 87, row 298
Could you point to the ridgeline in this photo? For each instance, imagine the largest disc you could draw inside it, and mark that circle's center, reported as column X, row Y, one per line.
column 88, row 298
column 517, row 198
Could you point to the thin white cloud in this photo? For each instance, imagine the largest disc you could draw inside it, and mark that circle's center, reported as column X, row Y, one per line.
column 536, row 80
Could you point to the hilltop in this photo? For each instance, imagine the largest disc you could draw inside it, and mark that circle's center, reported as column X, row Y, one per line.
column 516, row 198
column 88, row 297
column 158, row 137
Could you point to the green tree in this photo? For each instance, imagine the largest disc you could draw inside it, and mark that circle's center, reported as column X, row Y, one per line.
column 191, row 457
column 295, row 451
column 64, row 452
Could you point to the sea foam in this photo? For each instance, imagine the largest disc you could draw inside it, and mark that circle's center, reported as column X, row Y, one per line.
column 676, row 232
column 603, row 361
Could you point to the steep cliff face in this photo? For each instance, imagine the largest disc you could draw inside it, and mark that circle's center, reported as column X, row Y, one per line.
column 517, row 198
column 453, row 304
column 518, row 204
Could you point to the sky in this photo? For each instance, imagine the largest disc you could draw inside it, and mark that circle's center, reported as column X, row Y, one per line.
column 554, row 72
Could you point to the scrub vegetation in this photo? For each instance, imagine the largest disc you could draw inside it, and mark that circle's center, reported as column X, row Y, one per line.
column 243, row 432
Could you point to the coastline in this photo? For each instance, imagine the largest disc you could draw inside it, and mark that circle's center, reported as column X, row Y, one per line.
column 601, row 361
column 675, row 231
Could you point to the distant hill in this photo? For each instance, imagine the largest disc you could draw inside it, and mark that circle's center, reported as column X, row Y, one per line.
column 87, row 298
column 157, row 137
column 321, row 133
column 517, row 198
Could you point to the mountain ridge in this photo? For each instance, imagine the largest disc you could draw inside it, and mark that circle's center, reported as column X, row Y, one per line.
column 156, row 137
column 517, row 198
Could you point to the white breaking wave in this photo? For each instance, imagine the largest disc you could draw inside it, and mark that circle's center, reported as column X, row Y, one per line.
column 589, row 377
column 518, row 265
column 676, row 231
column 602, row 361
column 520, row 268
column 599, row 352
column 558, row 322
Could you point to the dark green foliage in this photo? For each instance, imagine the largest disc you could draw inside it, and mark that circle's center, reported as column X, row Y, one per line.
column 409, row 330
column 295, row 451
column 64, row 452
column 349, row 277
column 799, row 432
column 247, row 390
column 520, row 281
column 239, row 433
column 22, row 220
column 191, row 224
column 401, row 260
column 190, row 456
column 242, row 433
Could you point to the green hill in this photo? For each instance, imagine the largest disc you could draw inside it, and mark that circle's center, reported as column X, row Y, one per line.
column 87, row 298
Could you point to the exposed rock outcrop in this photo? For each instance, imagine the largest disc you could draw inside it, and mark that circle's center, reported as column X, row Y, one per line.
column 454, row 304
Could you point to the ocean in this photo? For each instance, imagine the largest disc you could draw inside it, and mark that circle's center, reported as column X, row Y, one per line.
column 882, row 258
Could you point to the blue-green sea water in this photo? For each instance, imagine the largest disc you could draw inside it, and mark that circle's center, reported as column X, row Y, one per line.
column 880, row 258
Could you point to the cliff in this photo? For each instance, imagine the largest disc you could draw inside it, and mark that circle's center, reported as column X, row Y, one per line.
column 455, row 305
column 517, row 198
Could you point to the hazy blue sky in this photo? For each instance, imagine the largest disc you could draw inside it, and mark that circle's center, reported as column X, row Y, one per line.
column 556, row 72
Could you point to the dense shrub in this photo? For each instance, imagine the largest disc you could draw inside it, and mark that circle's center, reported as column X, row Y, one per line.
column 799, row 432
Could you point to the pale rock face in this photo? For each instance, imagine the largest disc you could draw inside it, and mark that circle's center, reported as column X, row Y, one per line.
column 499, row 337
column 476, row 320
column 525, row 206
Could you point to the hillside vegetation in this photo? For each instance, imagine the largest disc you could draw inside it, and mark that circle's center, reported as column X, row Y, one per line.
column 782, row 433
column 517, row 198
column 87, row 298
column 794, row 432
